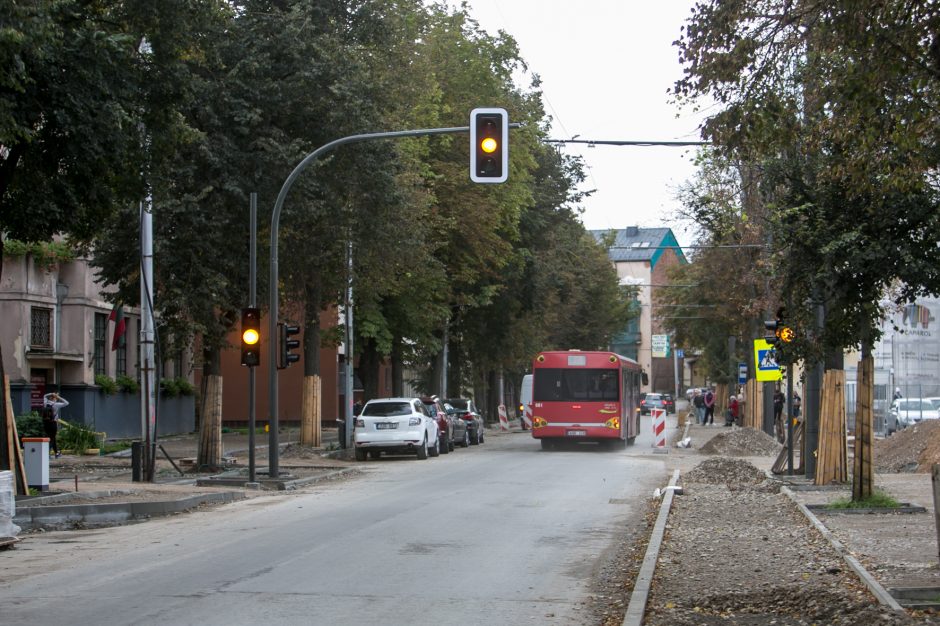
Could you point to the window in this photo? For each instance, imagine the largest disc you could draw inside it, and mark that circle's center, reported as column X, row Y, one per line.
column 40, row 329
column 121, row 357
column 570, row 385
column 101, row 340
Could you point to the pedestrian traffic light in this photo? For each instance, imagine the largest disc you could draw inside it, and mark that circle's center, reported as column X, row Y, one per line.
column 251, row 336
column 284, row 355
column 489, row 145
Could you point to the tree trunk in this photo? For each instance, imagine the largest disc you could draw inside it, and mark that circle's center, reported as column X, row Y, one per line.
column 369, row 360
column 863, row 466
column 312, row 402
column 398, row 369
column 210, row 431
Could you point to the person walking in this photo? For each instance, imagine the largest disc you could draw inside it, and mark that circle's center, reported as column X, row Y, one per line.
column 733, row 409
column 709, row 401
column 52, row 404
column 779, row 400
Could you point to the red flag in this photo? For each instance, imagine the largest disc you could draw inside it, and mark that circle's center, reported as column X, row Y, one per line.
column 120, row 325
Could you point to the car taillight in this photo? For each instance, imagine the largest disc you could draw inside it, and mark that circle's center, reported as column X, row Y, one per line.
column 614, row 423
column 360, row 423
column 539, row 422
column 414, row 421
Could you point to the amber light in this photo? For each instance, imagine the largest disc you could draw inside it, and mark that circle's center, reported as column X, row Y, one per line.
column 539, row 422
column 489, row 145
column 250, row 336
column 614, row 423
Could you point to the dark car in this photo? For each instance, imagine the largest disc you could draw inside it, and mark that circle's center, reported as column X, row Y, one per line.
column 465, row 409
column 651, row 401
column 669, row 403
column 455, row 429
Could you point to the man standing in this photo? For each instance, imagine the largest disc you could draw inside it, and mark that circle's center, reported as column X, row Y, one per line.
column 779, row 400
column 698, row 402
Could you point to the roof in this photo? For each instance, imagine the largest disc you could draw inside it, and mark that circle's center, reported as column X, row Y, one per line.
column 639, row 244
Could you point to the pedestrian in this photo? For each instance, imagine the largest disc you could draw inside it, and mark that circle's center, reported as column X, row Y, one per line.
column 698, row 403
column 733, row 408
column 897, row 393
column 797, row 403
column 709, row 407
column 52, row 403
column 779, row 400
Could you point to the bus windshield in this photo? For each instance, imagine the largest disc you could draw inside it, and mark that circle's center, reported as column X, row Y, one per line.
column 576, row 385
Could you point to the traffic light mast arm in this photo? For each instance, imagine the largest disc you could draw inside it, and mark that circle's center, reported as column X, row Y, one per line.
column 273, row 276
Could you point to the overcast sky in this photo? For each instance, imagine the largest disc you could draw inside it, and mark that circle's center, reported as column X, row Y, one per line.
column 606, row 67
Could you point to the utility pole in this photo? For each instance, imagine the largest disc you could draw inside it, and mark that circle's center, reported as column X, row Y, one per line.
column 253, row 302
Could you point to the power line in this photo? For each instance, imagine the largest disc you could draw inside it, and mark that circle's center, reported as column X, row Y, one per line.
column 605, row 142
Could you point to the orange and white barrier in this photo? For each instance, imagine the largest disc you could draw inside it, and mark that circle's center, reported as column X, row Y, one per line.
column 527, row 416
column 659, row 428
column 503, row 418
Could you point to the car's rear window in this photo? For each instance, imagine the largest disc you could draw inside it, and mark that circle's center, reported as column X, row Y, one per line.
column 386, row 409
column 458, row 404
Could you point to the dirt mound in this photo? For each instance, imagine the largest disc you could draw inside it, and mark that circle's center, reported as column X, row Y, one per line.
column 722, row 470
column 742, row 442
column 914, row 449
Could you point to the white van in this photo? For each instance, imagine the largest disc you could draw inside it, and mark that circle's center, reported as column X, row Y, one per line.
column 525, row 400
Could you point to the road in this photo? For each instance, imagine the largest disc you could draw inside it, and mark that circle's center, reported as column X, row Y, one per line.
column 503, row 533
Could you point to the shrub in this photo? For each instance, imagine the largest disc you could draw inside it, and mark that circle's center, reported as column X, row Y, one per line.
column 107, row 384
column 78, row 438
column 128, row 384
column 30, row 425
column 173, row 387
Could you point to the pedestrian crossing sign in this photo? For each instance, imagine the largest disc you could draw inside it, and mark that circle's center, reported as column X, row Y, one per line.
column 765, row 361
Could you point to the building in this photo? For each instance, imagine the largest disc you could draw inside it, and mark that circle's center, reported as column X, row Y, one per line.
column 642, row 257
column 58, row 335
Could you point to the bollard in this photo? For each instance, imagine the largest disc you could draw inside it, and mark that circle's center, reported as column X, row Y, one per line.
column 659, row 430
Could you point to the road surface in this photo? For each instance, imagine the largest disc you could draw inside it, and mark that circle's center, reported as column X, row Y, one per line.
column 503, row 533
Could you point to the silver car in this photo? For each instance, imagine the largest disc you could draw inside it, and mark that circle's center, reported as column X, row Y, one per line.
column 906, row 412
column 395, row 426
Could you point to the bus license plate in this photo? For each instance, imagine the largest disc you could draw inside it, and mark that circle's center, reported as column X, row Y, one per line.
column 577, row 433
column 386, row 425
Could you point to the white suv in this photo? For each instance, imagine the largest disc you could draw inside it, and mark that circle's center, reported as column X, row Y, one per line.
column 395, row 426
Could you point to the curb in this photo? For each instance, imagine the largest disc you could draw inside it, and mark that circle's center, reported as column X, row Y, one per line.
column 274, row 484
column 636, row 609
column 115, row 512
column 873, row 585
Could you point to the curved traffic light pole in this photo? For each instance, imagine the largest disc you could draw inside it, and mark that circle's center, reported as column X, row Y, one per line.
column 273, row 452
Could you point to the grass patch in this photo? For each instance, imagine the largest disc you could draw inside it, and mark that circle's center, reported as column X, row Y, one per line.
column 878, row 500
column 226, row 430
column 110, row 447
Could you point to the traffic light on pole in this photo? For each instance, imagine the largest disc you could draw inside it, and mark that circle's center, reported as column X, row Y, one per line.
column 251, row 336
column 782, row 334
column 284, row 355
column 489, row 145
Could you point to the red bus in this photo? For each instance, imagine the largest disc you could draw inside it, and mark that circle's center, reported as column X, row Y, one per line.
column 586, row 396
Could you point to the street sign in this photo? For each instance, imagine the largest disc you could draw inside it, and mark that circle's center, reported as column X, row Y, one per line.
column 660, row 346
column 765, row 361
column 680, row 353
column 742, row 373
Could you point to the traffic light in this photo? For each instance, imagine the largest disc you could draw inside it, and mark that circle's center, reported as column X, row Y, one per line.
column 284, row 355
column 489, row 145
column 782, row 334
column 251, row 336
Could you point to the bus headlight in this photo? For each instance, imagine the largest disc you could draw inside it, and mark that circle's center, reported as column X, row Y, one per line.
column 539, row 422
column 613, row 422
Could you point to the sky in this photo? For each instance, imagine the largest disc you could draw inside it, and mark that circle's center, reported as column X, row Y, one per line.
column 606, row 68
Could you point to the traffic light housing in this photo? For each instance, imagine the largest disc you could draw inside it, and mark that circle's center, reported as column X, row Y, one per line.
column 780, row 333
column 489, row 145
column 251, row 336
column 284, row 355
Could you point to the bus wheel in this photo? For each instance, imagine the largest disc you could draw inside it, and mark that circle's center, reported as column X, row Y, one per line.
column 548, row 444
column 617, row 444
column 631, row 441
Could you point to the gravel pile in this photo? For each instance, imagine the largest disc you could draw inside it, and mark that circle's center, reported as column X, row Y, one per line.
column 722, row 470
column 736, row 552
column 913, row 449
column 742, row 442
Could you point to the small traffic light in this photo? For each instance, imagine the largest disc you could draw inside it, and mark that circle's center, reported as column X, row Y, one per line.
column 489, row 145
column 251, row 336
column 284, row 355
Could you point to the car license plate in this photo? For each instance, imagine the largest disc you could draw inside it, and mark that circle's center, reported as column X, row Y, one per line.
column 386, row 425
column 577, row 433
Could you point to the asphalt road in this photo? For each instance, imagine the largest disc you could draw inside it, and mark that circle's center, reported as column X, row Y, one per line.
column 503, row 533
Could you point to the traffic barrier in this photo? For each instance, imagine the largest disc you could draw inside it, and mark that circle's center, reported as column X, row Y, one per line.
column 659, row 428
column 503, row 419
column 527, row 416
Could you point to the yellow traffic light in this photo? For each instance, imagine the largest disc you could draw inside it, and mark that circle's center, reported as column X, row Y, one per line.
column 489, row 145
column 786, row 334
column 250, row 336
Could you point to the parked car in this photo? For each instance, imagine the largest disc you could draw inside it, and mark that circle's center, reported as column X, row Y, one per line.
column 906, row 412
column 651, row 401
column 465, row 409
column 935, row 402
column 447, row 422
column 395, row 426
column 669, row 403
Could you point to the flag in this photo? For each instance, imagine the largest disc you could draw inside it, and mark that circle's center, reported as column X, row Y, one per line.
column 120, row 325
